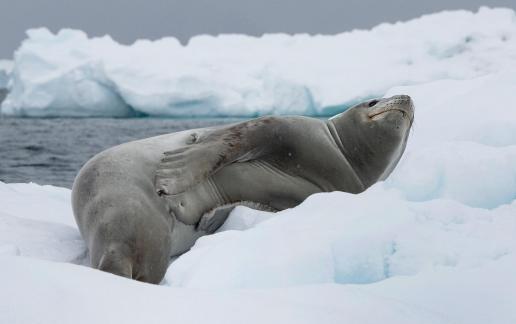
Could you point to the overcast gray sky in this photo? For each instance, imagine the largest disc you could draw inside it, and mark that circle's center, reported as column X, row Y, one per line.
column 127, row 20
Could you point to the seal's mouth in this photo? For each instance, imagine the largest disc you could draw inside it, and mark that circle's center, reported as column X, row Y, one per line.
column 400, row 104
column 383, row 111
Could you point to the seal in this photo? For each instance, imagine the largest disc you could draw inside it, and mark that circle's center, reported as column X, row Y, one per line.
column 140, row 203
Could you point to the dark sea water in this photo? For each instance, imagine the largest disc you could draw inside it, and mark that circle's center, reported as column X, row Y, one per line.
column 51, row 151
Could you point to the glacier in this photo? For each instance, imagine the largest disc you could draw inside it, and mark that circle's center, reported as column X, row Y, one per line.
column 70, row 74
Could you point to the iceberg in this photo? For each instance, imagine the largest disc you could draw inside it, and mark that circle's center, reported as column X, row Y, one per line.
column 70, row 74
column 5, row 71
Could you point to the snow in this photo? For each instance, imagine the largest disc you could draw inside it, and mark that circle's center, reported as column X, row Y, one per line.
column 63, row 293
column 462, row 135
column 37, row 221
column 434, row 243
column 350, row 241
column 70, row 74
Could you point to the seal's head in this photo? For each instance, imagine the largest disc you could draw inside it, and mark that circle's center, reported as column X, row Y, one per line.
column 373, row 135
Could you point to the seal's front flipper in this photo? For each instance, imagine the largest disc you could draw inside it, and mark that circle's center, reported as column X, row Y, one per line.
column 204, row 154
column 183, row 168
column 214, row 219
column 211, row 221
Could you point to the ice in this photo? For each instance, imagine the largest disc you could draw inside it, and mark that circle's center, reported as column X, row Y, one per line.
column 70, row 74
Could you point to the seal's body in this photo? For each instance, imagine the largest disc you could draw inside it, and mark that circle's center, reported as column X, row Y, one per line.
column 140, row 203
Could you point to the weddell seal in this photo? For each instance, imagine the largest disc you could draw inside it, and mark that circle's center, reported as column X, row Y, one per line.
column 140, row 203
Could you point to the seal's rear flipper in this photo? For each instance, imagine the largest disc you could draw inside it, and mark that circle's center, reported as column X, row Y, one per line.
column 113, row 261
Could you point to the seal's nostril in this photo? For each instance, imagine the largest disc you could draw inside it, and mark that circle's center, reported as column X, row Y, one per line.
column 372, row 103
column 403, row 98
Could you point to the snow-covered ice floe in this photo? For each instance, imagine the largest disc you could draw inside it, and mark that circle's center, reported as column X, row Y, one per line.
column 435, row 243
column 69, row 74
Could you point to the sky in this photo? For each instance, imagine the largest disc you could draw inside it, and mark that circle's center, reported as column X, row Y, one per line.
column 128, row 20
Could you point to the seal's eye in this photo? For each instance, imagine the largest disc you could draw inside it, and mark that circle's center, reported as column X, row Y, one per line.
column 372, row 103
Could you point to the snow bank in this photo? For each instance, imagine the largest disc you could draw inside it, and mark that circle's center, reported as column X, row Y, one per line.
column 37, row 221
column 69, row 74
column 62, row 293
column 352, row 240
column 463, row 143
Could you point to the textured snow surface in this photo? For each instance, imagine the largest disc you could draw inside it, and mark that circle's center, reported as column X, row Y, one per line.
column 69, row 74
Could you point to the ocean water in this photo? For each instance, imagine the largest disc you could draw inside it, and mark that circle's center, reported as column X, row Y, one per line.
column 51, row 151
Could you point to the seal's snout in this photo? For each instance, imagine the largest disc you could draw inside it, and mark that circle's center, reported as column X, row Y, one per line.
column 402, row 98
column 401, row 101
column 404, row 103
column 401, row 104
